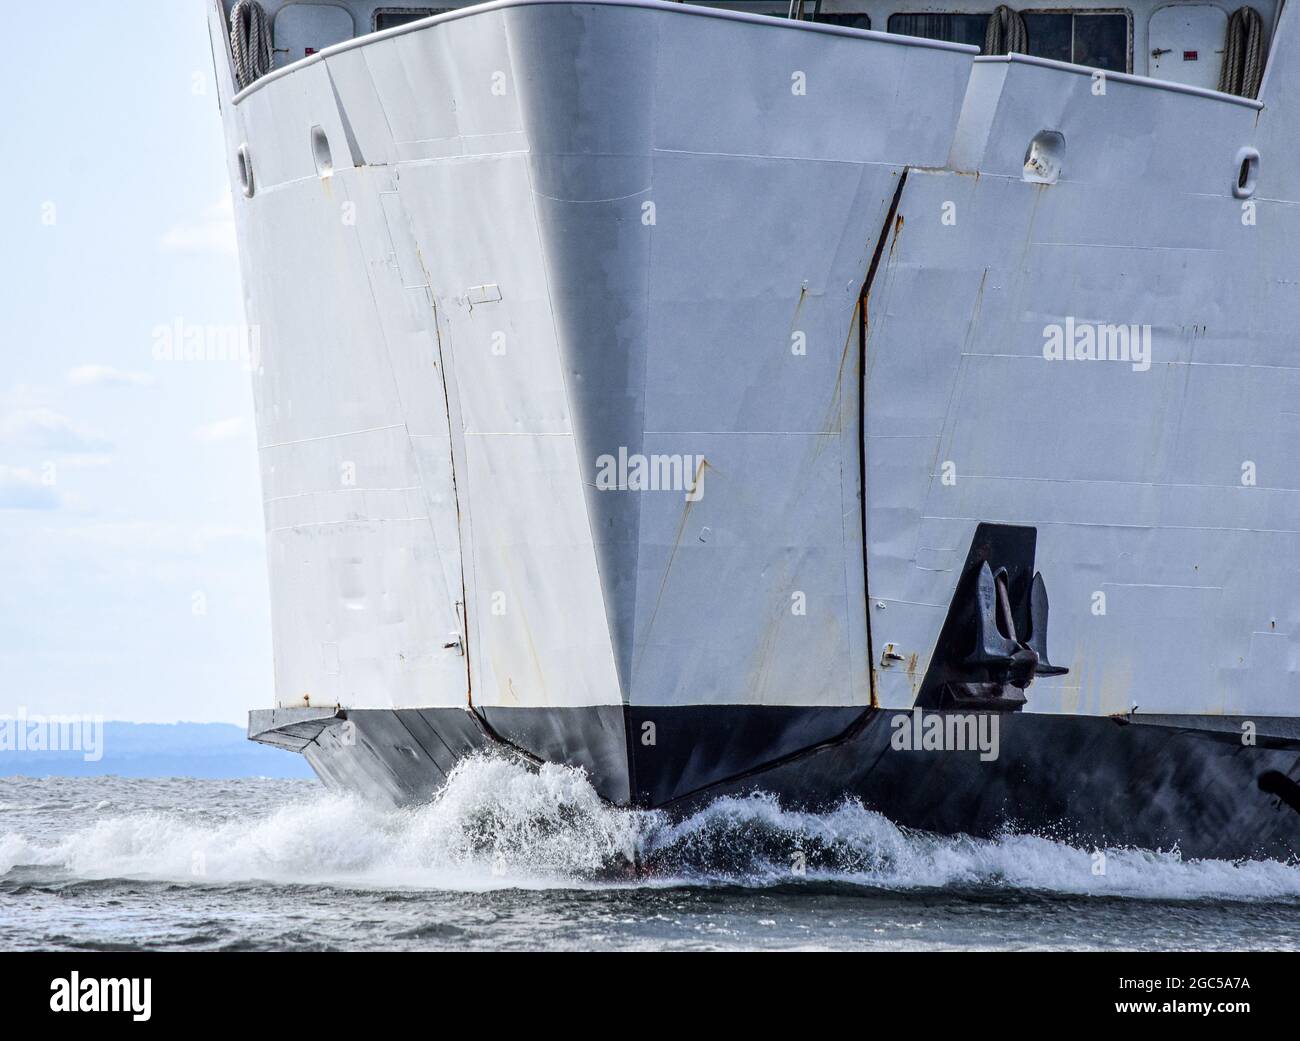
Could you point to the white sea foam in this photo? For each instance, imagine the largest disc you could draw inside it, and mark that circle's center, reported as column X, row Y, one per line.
column 497, row 824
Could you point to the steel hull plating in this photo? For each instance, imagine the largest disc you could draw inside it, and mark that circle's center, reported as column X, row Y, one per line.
column 1098, row 783
column 492, row 251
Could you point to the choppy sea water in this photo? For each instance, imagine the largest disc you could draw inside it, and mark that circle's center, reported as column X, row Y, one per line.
column 507, row 858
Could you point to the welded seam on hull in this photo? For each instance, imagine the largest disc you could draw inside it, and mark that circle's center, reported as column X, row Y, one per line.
column 355, row 154
column 863, row 330
column 420, row 744
column 462, row 607
column 388, row 123
column 847, row 734
column 860, row 724
column 491, row 734
column 629, row 737
column 856, row 727
column 462, row 613
column 545, row 255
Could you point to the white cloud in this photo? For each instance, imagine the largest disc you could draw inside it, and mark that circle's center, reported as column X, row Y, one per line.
column 106, row 375
column 223, row 429
column 44, row 429
column 22, row 489
column 212, row 232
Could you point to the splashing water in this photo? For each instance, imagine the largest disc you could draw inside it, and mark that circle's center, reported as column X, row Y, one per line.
column 497, row 824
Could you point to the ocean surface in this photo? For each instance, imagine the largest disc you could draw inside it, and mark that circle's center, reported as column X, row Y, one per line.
column 507, row 858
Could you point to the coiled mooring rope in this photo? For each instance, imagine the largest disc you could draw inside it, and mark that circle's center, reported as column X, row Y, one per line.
column 1243, row 54
column 250, row 42
column 1005, row 33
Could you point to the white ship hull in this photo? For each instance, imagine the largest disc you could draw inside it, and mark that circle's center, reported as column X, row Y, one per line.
column 801, row 273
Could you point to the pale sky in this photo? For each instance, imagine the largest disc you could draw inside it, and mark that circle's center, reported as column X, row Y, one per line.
column 133, row 581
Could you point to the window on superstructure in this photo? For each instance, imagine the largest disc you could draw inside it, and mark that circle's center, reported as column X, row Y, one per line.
column 392, row 17
column 856, row 20
column 955, row 28
column 1098, row 40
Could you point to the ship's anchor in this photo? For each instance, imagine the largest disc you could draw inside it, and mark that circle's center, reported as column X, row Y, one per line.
column 998, row 650
column 993, row 643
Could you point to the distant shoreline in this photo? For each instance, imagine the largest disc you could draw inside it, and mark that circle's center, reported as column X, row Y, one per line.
column 210, row 751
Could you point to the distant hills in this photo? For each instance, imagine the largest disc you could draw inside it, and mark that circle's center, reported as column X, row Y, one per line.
column 208, row 750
